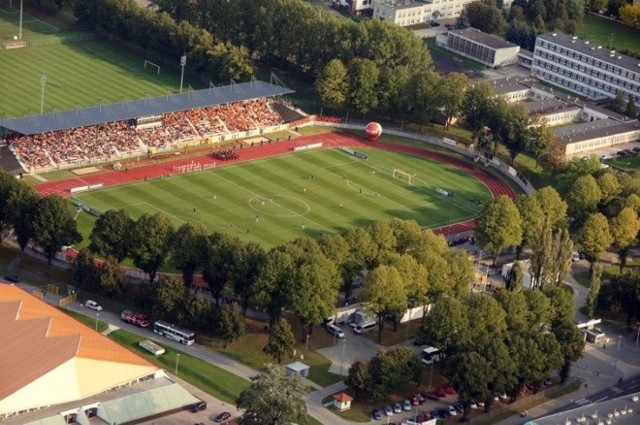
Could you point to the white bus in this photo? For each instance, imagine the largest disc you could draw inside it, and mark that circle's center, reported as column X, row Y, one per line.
column 170, row 331
column 431, row 355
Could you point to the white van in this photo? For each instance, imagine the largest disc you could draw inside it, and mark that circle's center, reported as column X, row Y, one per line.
column 365, row 327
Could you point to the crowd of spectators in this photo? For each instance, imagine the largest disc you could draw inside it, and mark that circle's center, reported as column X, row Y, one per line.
column 121, row 139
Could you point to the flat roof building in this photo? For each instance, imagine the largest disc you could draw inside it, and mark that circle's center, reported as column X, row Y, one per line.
column 485, row 48
column 591, row 70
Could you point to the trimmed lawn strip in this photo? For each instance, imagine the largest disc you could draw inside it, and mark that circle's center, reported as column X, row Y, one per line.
column 212, row 379
column 599, row 31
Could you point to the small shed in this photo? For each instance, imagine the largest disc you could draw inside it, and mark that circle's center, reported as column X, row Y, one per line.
column 298, row 368
column 342, row 401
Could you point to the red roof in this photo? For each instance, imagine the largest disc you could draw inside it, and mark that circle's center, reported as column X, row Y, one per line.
column 342, row 397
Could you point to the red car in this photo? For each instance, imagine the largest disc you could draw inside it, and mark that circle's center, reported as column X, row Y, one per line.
column 440, row 392
column 449, row 390
column 432, row 395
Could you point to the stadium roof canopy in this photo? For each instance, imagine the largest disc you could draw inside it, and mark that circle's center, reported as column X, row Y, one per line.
column 122, row 111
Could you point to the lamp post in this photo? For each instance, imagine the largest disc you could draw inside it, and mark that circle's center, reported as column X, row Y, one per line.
column 619, row 340
column 344, row 343
column 97, row 316
column 43, row 83
column 306, row 344
column 183, row 62
column 431, row 375
column 20, row 25
column 177, row 363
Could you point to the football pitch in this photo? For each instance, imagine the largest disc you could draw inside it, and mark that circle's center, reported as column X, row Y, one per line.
column 55, row 76
column 276, row 199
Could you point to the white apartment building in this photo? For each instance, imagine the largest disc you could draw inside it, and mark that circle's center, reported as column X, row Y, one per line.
column 402, row 12
column 592, row 71
column 485, row 48
column 411, row 12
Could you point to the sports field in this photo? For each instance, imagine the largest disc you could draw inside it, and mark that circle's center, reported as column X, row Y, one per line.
column 72, row 75
column 276, row 199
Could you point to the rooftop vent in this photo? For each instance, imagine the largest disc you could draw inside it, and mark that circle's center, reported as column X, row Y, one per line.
column 613, row 52
column 574, row 38
column 619, row 57
column 554, row 34
column 586, row 42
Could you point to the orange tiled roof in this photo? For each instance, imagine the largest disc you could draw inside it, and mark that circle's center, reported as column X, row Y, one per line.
column 35, row 338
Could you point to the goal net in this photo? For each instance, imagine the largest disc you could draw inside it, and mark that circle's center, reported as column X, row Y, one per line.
column 149, row 64
column 403, row 175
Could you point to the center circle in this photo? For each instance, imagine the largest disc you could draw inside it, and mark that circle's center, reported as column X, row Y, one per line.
column 279, row 206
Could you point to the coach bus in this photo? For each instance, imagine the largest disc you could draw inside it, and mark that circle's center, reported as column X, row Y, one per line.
column 175, row 333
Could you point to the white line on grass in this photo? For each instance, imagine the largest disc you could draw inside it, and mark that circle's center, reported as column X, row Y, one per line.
column 281, row 206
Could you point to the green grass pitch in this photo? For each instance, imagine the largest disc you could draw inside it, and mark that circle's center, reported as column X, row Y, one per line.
column 78, row 75
column 274, row 200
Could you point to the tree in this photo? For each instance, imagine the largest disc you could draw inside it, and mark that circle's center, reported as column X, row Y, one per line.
column 21, row 204
column 485, row 16
column 594, row 292
column 168, row 295
column 390, row 370
column 53, row 225
column 363, row 79
column 452, row 92
column 219, row 261
column 631, row 110
column 583, row 197
column 281, row 345
column 624, row 230
column 423, row 93
column 515, row 130
column 187, row 245
column 474, row 108
column 446, row 325
column 251, row 257
column 84, row 272
column 533, row 218
column 499, row 226
column 313, row 291
column 461, row 273
column 231, row 324
column 7, row 185
column 558, row 264
column 516, row 275
column 358, row 379
column 150, row 241
column 111, row 234
column 386, row 294
column 332, row 85
column 272, row 284
column 554, row 208
column 594, row 237
column 112, row 280
column 199, row 313
column 570, row 344
column 630, row 15
column 609, row 185
column 619, row 102
column 273, row 398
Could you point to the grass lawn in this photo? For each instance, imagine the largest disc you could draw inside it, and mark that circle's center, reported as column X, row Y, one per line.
column 213, row 380
column 603, row 31
column 274, row 200
column 248, row 350
column 70, row 71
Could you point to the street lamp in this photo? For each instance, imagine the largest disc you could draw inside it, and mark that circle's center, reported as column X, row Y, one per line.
column 43, row 82
column 177, row 363
column 97, row 315
column 20, row 25
column 306, row 344
column 431, row 375
column 344, row 344
column 183, row 62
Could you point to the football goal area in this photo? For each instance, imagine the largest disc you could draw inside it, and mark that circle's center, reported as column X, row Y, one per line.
column 403, row 175
column 149, row 64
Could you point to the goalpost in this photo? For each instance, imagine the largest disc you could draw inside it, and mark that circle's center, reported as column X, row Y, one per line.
column 151, row 64
column 403, row 175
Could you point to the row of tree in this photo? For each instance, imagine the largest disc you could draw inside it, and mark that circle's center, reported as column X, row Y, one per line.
column 496, row 345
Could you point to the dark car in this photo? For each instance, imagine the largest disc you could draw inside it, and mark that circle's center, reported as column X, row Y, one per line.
column 630, row 152
column 432, row 395
column 376, row 414
column 221, row 417
column 434, row 24
column 636, row 149
column 14, row 278
column 621, row 153
column 201, row 405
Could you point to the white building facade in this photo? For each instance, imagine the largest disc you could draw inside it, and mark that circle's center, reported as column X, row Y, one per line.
column 485, row 48
column 592, row 71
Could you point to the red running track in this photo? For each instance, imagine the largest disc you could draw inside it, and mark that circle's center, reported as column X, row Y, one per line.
column 496, row 186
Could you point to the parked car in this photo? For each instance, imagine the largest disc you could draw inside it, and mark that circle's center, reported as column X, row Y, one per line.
column 93, row 305
column 432, row 396
column 473, row 405
column 503, row 396
column 444, row 413
column 452, row 410
column 366, row 327
column 221, row 417
column 575, row 257
column 630, row 152
column 449, row 390
column 458, row 407
column 621, row 153
column 434, row 24
column 388, row 410
column 449, row 26
column 397, row 408
column 636, row 149
column 13, row 278
column 376, row 414
column 422, row 399
column 406, row 405
column 415, row 400
column 435, row 415
column 440, row 392
column 197, row 407
column 548, row 382
column 334, row 331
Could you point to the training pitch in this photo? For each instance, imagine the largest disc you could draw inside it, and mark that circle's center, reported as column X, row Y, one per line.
column 276, row 199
